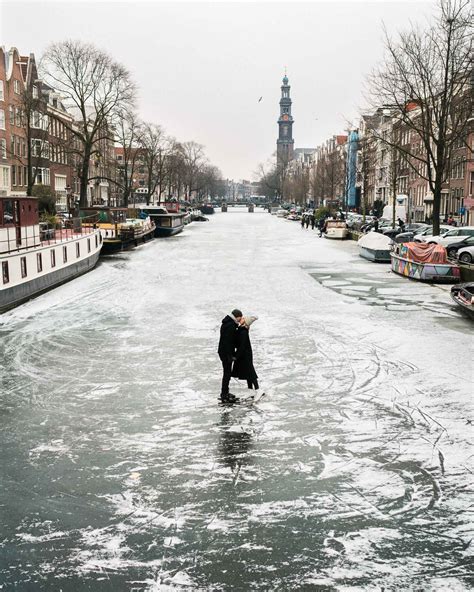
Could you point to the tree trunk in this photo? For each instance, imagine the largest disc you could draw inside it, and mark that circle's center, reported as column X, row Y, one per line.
column 84, row 179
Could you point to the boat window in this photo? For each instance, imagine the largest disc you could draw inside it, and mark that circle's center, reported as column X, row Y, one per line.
column 53, row 258
column 78, row 250
column 466, row 232
column 39, row 262
column 96, row 241
column 454, row 232
column 7, row 212
column 89, row 244
column 64, row 254
column 5, row 272
column 24, row 270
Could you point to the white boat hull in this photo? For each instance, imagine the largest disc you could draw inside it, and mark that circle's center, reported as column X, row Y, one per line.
column 20, row 289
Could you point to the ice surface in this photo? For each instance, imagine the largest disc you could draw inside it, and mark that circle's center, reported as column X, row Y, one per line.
column 121, row 472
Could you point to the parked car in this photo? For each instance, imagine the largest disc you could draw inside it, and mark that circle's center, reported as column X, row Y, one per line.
column 409, row 233
column 408, row 229
column 466, row 255
column 428, row 233
column 453, row 248
column 452, row 236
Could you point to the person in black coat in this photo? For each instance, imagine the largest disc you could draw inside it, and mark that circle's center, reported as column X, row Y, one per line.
column 243, row 366
column 226, row 350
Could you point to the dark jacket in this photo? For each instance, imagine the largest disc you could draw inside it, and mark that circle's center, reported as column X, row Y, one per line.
column 227, row 341
column 243, row 365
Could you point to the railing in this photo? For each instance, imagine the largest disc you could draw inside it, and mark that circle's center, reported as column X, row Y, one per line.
column 44, row 237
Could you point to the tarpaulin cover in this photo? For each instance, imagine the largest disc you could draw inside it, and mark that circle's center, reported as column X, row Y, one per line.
column 423, row 252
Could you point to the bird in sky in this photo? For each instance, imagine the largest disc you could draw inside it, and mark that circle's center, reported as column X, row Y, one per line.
column 260, row 99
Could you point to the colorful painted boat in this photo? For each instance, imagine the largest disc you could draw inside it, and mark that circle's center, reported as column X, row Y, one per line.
column 425, row 263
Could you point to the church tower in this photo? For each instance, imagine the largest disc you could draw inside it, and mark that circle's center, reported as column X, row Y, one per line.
column 285, row 142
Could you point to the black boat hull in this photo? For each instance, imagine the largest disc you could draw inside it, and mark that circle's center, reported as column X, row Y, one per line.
column 163, row 231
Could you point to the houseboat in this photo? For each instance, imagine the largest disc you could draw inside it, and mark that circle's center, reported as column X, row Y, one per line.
column 375, row 247
column 166, row 223
column 425, row 262
column 119, row 232
column 34, row 261
column 336, row 229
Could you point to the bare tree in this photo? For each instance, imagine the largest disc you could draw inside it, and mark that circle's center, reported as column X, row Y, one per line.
column 155, row 153
column 268, row 180
column 425, row 81
column 128, row 132
column 194, row 160
column 95, row 86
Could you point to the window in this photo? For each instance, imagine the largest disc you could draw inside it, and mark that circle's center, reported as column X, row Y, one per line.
column 39, row 262
column 16, row 86
column 2, row 119
column 1, row 91
column 64, row 254
column 11, row 111
column 78, row 250
column 20, row 176
column 53, row 258
column 18, row 117
column 35, row 91
column 13, row 174
column 24, row 271
column 5, row 272
column 5, row 177
column 89, row 245
column 42, row 176
column 3, row 148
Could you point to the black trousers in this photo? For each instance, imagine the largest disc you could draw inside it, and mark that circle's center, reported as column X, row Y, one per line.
column 226, row 372
column 252, row 384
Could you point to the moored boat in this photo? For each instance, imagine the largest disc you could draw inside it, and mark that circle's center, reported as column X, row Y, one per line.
column 375, row 247
column 336, row 229
column 424, row 262
column 463, row 296
column 33, row 262
column 207, row 209
column 118, row 231
column 166, row 223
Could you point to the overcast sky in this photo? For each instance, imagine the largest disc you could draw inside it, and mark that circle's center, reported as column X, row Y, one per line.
column 201, row 67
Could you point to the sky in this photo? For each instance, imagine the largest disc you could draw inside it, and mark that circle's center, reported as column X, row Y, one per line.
column 201, row 67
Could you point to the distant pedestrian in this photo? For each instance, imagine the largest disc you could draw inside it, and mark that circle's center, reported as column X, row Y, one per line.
column 401, row 224
column 307, row 221
column 376, row 224
column 313, row 222
column 302, row 221
column 226, row 351
column 243, row 366
column 321, row 226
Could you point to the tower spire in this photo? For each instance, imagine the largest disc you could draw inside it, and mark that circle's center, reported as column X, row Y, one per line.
column 285, row 142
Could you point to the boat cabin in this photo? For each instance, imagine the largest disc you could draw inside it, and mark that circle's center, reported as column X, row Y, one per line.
column 19, row 223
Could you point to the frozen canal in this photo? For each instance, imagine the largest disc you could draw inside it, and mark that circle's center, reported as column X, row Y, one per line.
column 120, row 472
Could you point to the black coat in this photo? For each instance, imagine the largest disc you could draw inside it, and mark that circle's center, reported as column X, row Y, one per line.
column 243, row 365
column 228, row 338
